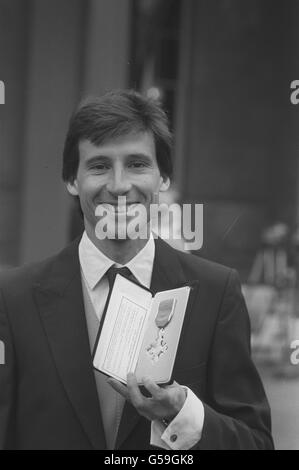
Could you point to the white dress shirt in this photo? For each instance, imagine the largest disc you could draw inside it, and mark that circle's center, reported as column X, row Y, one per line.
column 185, row 430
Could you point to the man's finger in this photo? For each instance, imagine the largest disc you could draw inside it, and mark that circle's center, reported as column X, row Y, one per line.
column 119, row 387
column 152, row 387
column 174, row 384
column 134, row 392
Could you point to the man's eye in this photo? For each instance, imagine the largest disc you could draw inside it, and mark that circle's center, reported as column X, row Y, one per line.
column 137, row 164
column 99, row 167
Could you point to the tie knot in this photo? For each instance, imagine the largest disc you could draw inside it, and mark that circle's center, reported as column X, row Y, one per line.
column 112, row 271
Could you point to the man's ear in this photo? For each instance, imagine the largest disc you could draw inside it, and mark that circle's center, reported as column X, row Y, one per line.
column 165, row 183
column 72, row 188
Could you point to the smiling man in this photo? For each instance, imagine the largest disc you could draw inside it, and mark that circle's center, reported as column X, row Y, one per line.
column 123, row 168
column 119, row 146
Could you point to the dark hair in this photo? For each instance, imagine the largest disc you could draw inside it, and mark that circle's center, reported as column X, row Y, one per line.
column 115, row 114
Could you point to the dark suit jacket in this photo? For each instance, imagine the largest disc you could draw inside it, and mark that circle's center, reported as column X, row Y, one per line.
column 48, row 397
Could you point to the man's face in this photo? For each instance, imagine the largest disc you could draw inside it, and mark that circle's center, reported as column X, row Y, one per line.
column 125, row 166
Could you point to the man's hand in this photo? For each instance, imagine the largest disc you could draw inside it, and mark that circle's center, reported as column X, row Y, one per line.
column 164, row 403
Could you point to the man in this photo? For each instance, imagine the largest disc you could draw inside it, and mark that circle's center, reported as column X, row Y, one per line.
column 50, row 395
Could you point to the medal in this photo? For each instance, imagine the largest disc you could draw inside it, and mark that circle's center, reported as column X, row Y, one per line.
column 164, row 315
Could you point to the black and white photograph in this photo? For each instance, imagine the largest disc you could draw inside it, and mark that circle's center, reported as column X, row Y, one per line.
column 149, row 227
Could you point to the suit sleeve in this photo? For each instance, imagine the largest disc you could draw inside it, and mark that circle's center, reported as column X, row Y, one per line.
column 6, row 378
column 237, row 414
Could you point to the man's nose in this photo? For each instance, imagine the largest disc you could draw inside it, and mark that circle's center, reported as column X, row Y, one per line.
column 119, row 182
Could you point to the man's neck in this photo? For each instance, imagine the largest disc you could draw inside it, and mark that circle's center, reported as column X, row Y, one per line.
column 121, row 251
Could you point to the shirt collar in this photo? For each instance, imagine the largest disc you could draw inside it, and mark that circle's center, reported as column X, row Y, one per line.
column 94, row 263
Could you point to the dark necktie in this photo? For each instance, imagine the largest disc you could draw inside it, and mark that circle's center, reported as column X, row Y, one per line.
column 111, row 402
column 113, row 271
column 111, row 274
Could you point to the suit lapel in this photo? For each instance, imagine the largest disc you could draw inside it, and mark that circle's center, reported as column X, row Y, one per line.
column 60, row 302
column 167, row 274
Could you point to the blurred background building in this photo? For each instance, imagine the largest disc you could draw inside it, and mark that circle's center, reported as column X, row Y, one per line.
column 222, row 69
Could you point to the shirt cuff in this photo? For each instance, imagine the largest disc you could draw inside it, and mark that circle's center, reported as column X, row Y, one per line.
column 185, row 430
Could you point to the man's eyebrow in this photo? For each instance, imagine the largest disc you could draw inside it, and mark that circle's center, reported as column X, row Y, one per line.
column 96, row 159
column 106, row 158
column 145, row 156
